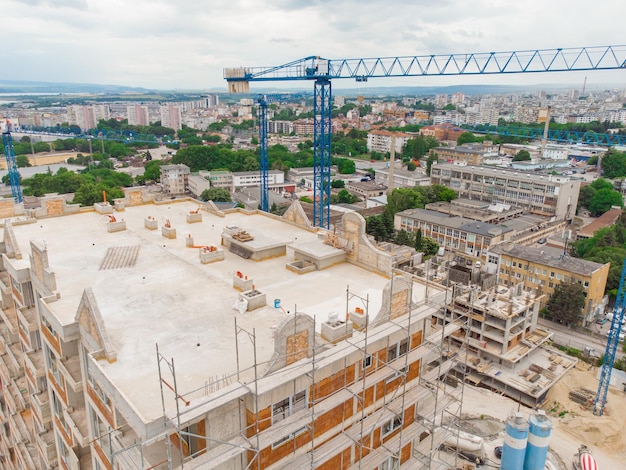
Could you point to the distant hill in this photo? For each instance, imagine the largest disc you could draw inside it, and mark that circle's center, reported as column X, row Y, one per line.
column 22, row 86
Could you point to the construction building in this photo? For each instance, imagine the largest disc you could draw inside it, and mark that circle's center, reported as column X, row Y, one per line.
column 162, row 335
column 505, row 350
column 542, row 269
column 545, row 195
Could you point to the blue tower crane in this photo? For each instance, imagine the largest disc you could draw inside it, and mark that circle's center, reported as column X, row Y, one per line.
column 321, row 71
column 263, row 150
column 611, row 346
column 14, row 175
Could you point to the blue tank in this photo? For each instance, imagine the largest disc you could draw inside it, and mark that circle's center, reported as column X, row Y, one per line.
column 538, row 438
column 514, row 447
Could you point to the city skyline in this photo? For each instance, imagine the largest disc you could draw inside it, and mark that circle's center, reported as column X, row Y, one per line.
column 172, row 45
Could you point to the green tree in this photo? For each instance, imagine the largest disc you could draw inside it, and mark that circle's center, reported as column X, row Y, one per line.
column 614, row 164
column 467, row 138
column 566, row 303
column 337, row 184
column 152, row 170
column 432, row 158
column 345, row 197
column 345, row 166
column 429, row 246
column 603, row 200
column 418, row 239
column 216, row 194
column 522, row 156
column 411, row 166
column 22, row 161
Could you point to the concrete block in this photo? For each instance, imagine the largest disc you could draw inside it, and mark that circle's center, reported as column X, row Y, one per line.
column 103, row 208
column 207, row 256
column 189, row 242
column 168, row 232
column 117, row 226
column 194, row 218
column 254, row 298
column 150, row 223
column 335, row 331
column 242, row 284
column 359, row 319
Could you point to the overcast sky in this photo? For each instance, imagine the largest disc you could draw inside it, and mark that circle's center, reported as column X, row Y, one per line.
column 185, row 44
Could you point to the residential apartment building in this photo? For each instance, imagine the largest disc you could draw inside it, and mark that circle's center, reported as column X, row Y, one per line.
column 467, row 238
column 381, row 141
column 542, row 269
column 87, row 117
column 174, row 179
column 171, row 116
column 547, row 195
column 280, row 127
column 138, row 115
column 84, row 387
column 472, row 154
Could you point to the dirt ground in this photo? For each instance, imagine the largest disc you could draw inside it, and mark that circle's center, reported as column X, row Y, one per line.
column 485, row 412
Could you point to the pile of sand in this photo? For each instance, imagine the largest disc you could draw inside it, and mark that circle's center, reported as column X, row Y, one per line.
column 604, row 433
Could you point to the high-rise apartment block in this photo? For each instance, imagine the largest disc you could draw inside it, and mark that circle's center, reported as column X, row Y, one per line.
column 138, row 115
column 171, row 116
column 87, row 117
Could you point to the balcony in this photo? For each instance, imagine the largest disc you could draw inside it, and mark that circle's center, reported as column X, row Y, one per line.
column 41, row 407
column 14, row 359
column 77, row 421
column 34, row 362
column 72, row 373
column 25, row 456
column 20, row 424
column 19, row 389
column 28, row 316
column 9, row 317
column 9, row 397
column 4, row 371
column 45, row 442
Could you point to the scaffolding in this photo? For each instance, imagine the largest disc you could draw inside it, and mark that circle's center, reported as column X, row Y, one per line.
column 439, row 383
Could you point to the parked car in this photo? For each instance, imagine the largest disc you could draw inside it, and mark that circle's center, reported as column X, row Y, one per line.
column 542, row 240
column 498, row 451
column 601, row 321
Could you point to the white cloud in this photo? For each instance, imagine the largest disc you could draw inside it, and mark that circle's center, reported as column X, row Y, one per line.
column 186, row 44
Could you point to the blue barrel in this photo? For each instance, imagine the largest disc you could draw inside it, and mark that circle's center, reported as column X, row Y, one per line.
column 276, row 303
column 538, row 438
column 515, row 439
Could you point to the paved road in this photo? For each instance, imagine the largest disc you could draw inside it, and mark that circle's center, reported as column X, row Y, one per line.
column 579, row 339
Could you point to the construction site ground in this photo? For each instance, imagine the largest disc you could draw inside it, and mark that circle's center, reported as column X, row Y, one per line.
column 485, row 413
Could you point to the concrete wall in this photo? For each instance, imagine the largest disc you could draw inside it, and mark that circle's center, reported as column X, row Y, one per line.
column 363, row 253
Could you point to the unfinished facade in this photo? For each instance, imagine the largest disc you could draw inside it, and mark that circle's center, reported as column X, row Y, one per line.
column 504, row 346
column 130, row 349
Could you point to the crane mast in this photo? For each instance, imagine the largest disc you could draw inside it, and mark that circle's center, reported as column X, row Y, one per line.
column 263, row 151
column 611, row 346
column 322, row 71
column 14, row 175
